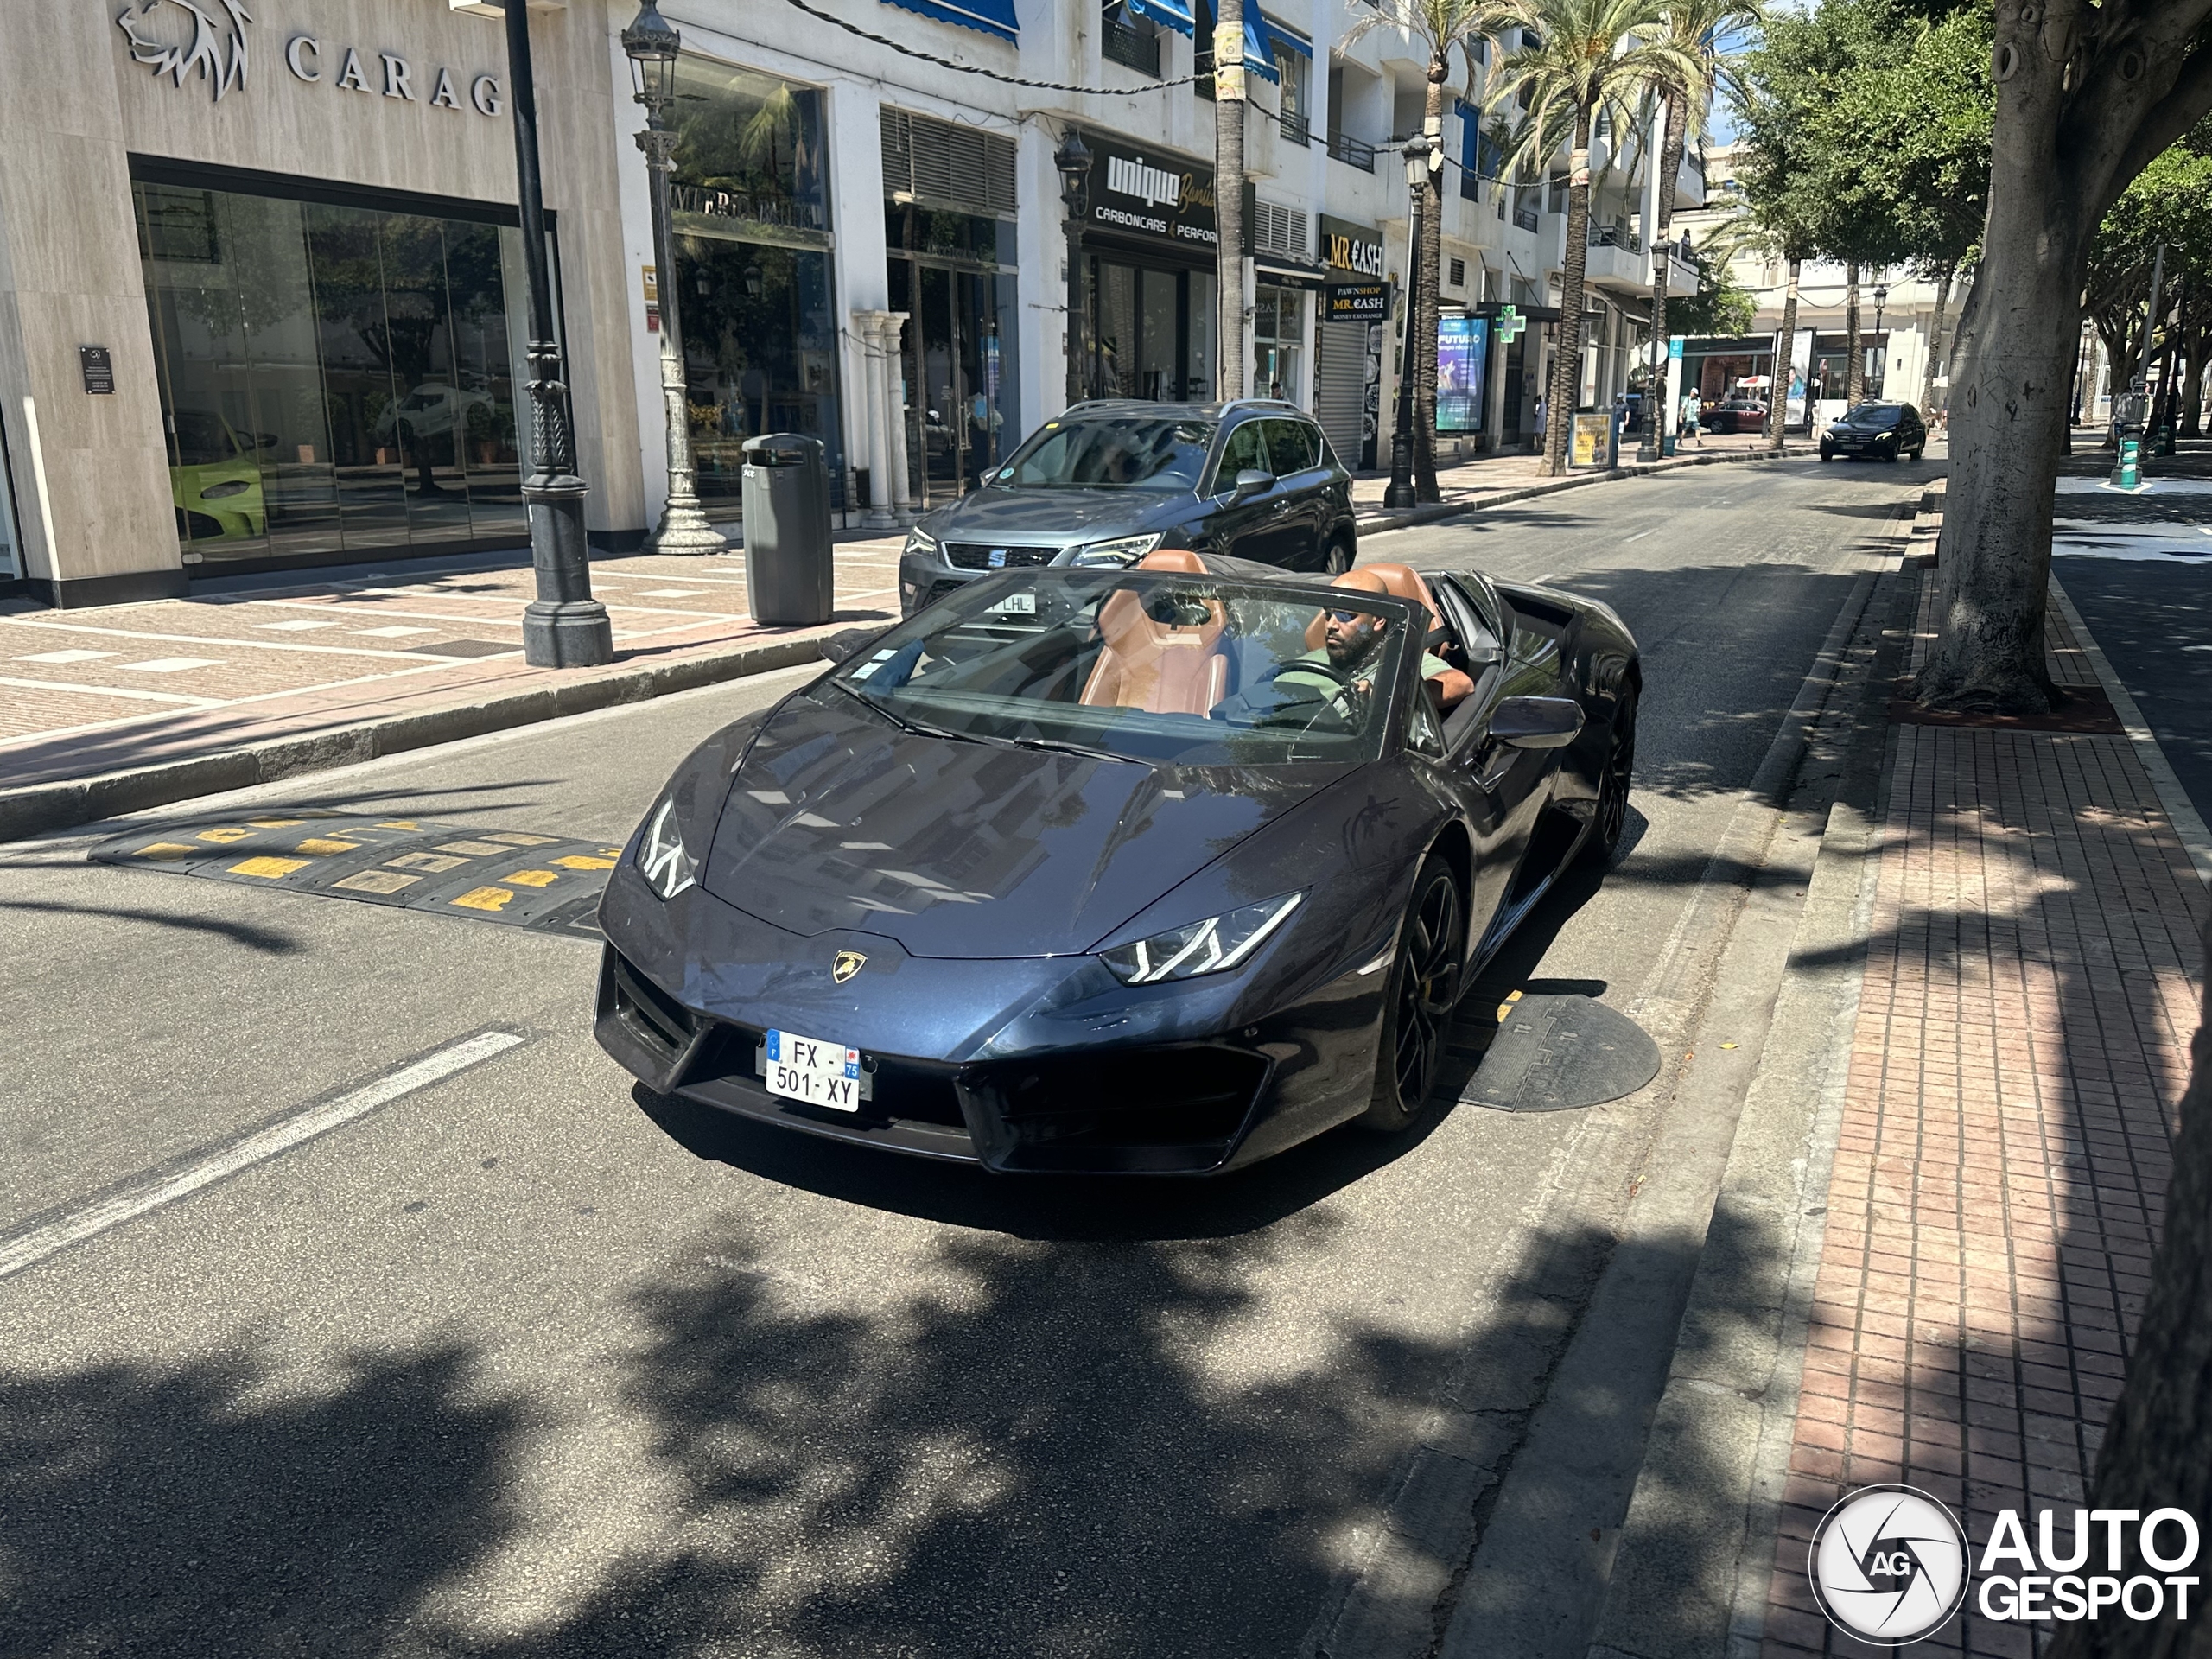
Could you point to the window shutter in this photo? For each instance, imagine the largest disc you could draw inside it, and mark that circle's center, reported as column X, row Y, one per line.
column 1458, row 276
column 946, row 163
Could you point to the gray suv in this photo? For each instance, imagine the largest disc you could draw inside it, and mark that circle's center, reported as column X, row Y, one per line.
column 1109, row 481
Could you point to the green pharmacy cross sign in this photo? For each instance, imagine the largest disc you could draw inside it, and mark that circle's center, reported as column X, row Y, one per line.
column 1510, row 322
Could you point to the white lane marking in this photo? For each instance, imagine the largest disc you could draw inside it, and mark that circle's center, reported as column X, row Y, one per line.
column 305, row 624
column 392, row 632
column 131, row 692
column 1641, row 534
column 67, row 657
column 171, row 664
column 89, row 1220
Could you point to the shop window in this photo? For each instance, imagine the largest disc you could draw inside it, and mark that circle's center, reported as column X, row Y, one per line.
column 334, row 380
column 1276, row 342
column 749, row 148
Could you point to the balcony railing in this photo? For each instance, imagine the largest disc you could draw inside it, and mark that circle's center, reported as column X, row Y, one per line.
column 1131, row 48
column 1295, row 128
column 1613, row 236
column 1526, row 215
column 1351, row 152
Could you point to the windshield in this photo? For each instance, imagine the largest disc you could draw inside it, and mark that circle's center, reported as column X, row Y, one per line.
column 1121, row 455
column 1877, row 415
column 1192, row 671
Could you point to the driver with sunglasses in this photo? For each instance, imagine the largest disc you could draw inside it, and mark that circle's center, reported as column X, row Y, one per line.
column 1351, row 638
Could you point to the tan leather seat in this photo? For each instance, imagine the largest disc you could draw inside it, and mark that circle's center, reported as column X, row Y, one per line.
column 1163, row 668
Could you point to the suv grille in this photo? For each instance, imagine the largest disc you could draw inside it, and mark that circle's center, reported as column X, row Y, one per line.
column 976, row 556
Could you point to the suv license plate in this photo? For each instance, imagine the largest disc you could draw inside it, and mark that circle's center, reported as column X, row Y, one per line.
column 816, row 1073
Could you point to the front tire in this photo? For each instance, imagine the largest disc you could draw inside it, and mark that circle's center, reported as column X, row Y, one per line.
column 1335, row 558
column 1611, row 820
column 1826, row 453
column 1418, row 1003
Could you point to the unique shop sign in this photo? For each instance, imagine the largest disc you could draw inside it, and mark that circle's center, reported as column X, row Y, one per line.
column 1356, row 301
column 188, row 40
column 1152, row 196
column 1355, row 250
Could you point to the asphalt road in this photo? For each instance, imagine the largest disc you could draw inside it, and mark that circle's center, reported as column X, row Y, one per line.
column 508, row 1366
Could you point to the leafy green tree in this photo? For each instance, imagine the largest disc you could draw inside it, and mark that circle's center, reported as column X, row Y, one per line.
column 1579, row 61
column 1720, row 305
column 2170, row 202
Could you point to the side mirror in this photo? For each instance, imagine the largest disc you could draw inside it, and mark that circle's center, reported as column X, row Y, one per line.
column 1537, row 722
column 1251, row 482
column 843, row 648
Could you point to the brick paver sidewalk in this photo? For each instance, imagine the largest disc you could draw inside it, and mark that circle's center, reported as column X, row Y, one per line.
column 86, row 692
column 2022, row 1043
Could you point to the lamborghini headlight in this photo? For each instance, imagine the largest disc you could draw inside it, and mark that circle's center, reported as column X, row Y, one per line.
column 1213, row 946
column 663, row 859
column 1122, row 550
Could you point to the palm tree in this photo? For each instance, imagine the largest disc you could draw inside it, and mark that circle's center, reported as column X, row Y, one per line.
column 1580, row 62
column 1442, row 26
column 1699, row 29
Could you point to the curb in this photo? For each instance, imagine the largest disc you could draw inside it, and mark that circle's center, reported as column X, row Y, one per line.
column 1378, row 523
column 38, row 808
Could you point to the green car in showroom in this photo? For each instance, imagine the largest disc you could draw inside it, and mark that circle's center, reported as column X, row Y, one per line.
column 215, row 478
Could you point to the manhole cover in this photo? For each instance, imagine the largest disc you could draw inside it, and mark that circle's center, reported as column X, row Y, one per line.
column 1554, row 1052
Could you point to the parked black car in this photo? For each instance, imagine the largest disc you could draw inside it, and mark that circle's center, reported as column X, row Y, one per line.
column 1109, row 482
column 1880, row 431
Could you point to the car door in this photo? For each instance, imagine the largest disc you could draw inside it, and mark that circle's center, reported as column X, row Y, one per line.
column 1913, row 431
column 1298, row 527
column 1502, row 788
column 1240, row 528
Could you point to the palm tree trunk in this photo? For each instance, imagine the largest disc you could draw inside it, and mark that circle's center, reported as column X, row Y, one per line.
column 1778, row 390
column 1229, row 193
column 1670, row 168
column 1566, row 367
column 1854, row 365
column 1936, row 340
column 1428, row 264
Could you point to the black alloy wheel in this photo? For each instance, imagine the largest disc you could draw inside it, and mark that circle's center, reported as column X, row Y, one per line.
column 1612, row 817
column 1423, row 991
column 1338, row 559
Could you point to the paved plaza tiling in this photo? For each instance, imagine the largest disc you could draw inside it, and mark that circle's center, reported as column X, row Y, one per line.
column 2021, row 1048
column 99, row 690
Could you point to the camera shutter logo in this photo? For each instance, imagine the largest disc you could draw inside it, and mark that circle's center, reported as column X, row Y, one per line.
column 1889, row 1565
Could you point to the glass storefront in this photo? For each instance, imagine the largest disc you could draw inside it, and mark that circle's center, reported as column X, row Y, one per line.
column 1153, row 331
column 1278, row 341
column 335, row 380
column 750, row 210
column 953, row 274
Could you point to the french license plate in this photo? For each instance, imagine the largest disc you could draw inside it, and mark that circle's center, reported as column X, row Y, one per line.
column 810, row 1069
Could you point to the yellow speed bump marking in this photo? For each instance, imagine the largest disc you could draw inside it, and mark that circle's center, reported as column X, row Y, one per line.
column 584, row 862
column 531, row 877
column 398, row 823
column 484, row 899
column 275, row 823
column 169, row 850
column 228, row 832
column 1506, row 1008
column 324, row 844
column 474, row 849
column 271, row 868
column 383, row 881
column 516, row 838
column 430, row 862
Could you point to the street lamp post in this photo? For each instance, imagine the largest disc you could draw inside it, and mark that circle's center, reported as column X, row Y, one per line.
column 1401, row 493
column 564, row 627
column 652, row 45
column 1073, row 160
column 1881, row 298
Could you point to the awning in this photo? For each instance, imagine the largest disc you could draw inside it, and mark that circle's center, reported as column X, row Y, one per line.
column 992, row 16
column 1181, row 16
column 1278, row 36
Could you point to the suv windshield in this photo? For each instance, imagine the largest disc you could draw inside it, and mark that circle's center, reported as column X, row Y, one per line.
column 1875, row 415
column 1123, row 455
column 1192, row 670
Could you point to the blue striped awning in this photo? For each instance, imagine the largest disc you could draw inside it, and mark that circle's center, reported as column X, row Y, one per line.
column 992, row 16
column 1180, row 16
column 1278, row 36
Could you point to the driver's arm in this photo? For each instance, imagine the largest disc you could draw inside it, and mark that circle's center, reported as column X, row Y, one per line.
column 1447, row 685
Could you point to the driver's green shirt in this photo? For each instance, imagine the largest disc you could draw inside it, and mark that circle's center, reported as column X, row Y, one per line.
column 1431, row 666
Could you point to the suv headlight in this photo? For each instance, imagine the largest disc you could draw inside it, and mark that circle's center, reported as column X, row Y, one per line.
column 663, row 859
column 1122, row 550
column 920, row 541
column 1213, row 946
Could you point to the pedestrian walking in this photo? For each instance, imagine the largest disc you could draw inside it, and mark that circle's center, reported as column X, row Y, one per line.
column 1540, row 422
column 1693, row 407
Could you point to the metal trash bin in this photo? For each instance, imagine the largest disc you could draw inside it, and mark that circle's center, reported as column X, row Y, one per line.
column 789, row 578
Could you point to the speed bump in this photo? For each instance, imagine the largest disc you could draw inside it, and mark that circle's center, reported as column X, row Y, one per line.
column 517, row 878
